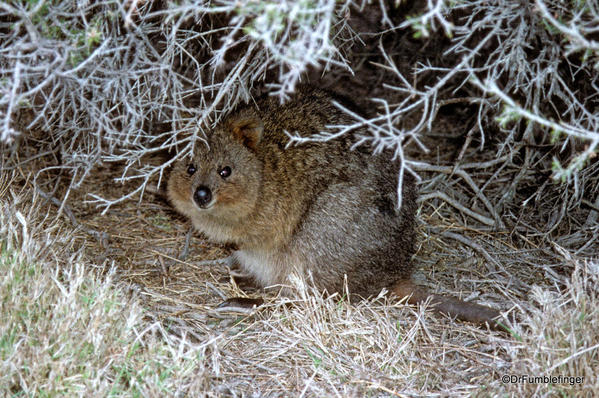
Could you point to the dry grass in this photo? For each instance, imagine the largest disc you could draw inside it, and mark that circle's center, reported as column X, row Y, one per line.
column 66, row 330
column 123, row 316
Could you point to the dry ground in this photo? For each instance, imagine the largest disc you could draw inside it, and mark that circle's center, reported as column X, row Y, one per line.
column 172, row 340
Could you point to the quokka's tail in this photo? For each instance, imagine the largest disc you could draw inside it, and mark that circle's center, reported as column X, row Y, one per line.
column 462, row 310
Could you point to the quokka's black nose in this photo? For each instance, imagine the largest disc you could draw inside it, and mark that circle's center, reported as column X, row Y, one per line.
column 202, row 196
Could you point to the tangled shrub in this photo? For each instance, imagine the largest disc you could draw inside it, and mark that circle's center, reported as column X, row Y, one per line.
column 115, row 81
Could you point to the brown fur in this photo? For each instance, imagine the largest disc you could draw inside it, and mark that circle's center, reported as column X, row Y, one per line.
column 319, row 209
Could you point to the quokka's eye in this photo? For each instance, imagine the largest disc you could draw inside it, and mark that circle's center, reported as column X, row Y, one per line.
column 225, row 172
column 191, row 169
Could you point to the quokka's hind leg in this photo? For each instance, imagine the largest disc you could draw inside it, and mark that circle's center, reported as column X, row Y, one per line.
column 240, row 304
column 462, row 310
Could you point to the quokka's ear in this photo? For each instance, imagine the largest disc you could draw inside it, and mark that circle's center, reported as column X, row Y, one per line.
column 247, row 127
